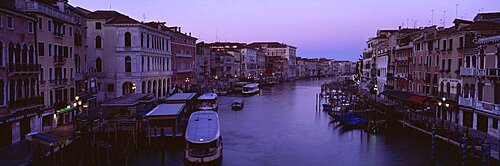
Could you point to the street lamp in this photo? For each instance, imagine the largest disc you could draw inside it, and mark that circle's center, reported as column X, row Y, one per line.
column 444, row 105
column 133, row 88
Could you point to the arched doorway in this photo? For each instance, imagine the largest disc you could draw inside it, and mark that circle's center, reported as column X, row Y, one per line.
column 127, row 88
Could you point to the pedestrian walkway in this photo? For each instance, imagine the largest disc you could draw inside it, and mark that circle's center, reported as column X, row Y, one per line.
column 446, row 129
column 21, row 153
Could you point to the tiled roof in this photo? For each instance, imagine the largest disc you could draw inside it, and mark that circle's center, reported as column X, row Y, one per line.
column 113, row 17
column 268, row 45
column 489, row 15
column 481, row 26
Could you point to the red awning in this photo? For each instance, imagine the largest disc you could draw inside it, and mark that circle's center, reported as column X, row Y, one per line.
column 417, row 99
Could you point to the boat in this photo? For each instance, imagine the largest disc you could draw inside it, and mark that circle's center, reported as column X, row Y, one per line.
column 327, row 107
column 237, row 104
column 208, row 101
column 223, row 93
column 251, row 88
column 238, row 87
column 203, row 138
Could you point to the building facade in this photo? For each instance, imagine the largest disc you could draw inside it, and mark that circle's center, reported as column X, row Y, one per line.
column 183, row 58
column 128, row 56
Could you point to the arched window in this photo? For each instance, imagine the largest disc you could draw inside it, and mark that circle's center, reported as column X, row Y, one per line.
column 448, row 87
column 11, row 53
column 442, row 88
column 2, row 91
column 128, row 39
column 25, row 54
column 98, row 65
column 467, row 61
column 472, row 91
column 1, row 54
column 18, row 54
column 474, row 64
column 143, row 87
column 31, row 55
column 128, row 64
column 480, row 91
column 459, row 89
column 466, row 91
column 98, row 42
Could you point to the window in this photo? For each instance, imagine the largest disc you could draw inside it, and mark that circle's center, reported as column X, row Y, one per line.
column 30, row 27
column 142, row 40
column 50, row 74
column 437, row 60
column 41, row 74
column 449, row 64
column 97, row 25
column 1, row 21
column 495, row 124
column 128, row 39
column 451, row 45
column 49, row 26
column 41, row 49
column 40, row 23
column 10, row 22
column 98, row 65
column 111, row 88
column 1, row 55
column 70, row 31
column 50, row 49
column 128, row 64
column 98, row 41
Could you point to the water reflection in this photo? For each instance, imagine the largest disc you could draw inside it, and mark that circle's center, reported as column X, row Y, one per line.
column 280, row 126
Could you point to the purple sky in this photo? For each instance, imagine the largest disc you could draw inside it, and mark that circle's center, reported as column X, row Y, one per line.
column 319, row 28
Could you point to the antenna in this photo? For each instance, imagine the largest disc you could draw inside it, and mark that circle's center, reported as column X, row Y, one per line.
column 444, row 18
column 432, row 16
column 143, row 17
column 110, row 6
column 456, row 10
column 465, row 16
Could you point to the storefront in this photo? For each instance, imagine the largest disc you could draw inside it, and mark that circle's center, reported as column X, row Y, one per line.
column 14, row 127
column 65, row 116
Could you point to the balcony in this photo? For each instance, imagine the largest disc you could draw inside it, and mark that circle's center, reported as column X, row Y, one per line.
column 472, row 72
column 488, row 107
column 24, row 68
column 141, row 49
column 28, row 102
column 184, row 55
column 98, row 74
column 449, row 96
column 468, row 102
column 33, row 6
column 493, row 72
column 58, row 35
column 59, row 60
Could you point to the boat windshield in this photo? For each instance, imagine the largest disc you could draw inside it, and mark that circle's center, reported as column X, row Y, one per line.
column 203, row 149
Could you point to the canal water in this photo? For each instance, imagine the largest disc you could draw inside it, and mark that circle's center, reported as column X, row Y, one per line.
column 280, row 126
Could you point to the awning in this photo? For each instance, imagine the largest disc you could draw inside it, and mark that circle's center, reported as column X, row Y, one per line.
column 65, row 110
column 387, row 93
column 417, row 99
column 401, row 95
column 45, row 139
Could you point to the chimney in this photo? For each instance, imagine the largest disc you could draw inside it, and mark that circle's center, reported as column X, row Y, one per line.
column 178, row 29
column 60, row 4
column 399, row 27
column 189, row 33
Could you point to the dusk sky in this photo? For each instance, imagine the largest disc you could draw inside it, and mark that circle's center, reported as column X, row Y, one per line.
column 319, row 28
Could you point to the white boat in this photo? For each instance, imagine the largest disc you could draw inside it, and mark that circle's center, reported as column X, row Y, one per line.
column 238, row 87
column 251, row 88
column 208, row 101
column 203, row 138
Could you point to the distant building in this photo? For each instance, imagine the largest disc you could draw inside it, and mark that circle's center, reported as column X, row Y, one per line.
column 183, row 58
column 285, row 51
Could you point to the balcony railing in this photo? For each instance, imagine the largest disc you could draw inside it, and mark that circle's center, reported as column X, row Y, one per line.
column 143, row 49
column 184, row 55
column 488, row 107
column 449, row 96
column 59, row 60
column 26, row 102
column 48, row 10
column 468, row 102
column 24, row 68
column 472, row 72
column 493, row 72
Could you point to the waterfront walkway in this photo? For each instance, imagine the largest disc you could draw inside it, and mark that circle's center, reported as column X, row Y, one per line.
column 445, row 130
column 21, row 153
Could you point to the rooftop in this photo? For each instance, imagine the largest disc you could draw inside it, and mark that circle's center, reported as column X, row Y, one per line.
column 203, row 127
column 181, row 96
column 208, row 96
column 129, row 100
column 166, row 110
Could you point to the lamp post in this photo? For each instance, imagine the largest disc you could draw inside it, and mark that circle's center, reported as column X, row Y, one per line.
column 443, row 105
column 133, row 88
column 187, row 82
column 216, row 82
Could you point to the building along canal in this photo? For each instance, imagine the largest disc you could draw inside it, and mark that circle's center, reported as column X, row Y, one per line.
column 280, row 126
